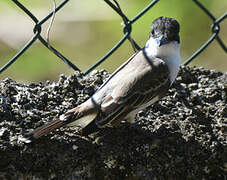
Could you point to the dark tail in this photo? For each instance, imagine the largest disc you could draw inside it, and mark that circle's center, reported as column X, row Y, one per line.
column 74, row 117
column 45, row 129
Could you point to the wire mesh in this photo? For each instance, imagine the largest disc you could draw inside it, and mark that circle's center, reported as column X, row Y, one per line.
column 215, row 29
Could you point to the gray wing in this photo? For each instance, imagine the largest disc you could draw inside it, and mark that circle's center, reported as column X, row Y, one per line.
column 137, row 82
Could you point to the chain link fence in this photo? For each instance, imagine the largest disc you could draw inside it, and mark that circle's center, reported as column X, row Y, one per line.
column 215, row 29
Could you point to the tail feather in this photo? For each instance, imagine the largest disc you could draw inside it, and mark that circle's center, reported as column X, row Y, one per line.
column 84, row 120
column 46, row 128
column 74, row 117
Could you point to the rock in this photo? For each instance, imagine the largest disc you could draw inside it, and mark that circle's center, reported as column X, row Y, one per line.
column 180, row 137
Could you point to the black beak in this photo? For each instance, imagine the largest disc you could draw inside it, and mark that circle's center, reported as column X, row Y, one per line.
column 161, row 40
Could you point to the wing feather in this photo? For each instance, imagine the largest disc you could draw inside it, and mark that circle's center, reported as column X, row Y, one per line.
column 137, row 83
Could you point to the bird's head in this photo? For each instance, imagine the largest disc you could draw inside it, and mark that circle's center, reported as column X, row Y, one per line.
column 164, row 39
column 165, row 30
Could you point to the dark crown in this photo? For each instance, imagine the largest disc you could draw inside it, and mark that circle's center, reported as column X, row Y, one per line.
column 167, row 27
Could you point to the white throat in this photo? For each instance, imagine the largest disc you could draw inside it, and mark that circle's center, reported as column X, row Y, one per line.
column 169, row 53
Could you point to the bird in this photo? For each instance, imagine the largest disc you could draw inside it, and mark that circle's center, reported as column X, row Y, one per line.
column 139, row 82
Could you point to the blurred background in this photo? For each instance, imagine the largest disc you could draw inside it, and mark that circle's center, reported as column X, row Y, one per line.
column 83, row 31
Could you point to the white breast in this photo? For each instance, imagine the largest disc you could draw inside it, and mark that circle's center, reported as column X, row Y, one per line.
column 169, row 53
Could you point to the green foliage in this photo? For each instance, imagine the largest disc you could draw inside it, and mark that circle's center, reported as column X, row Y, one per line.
column 85, row 30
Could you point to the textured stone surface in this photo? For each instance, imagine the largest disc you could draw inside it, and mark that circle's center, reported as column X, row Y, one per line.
column 179, row 137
